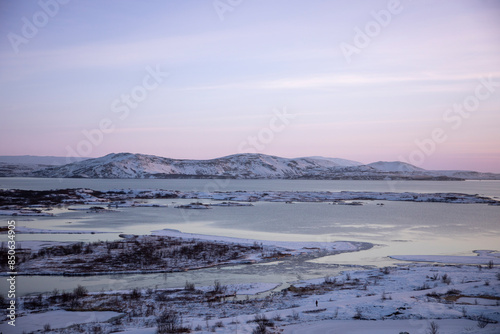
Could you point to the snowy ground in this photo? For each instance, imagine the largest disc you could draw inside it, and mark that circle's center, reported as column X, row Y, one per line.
column 461, row 294
column 40, row 202
column 55, row 319
column 403, row 298
column 483, row 258
column 455, row 326
column 31, row 230
column 24, row 212
column 164, row 251
column 294, row 247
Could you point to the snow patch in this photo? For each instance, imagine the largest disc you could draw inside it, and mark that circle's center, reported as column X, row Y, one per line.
column 56, row 319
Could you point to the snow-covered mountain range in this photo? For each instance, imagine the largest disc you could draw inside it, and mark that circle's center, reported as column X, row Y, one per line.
column 239, row 166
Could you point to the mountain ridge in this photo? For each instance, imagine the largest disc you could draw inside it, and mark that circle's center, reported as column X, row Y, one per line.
column 237, row 166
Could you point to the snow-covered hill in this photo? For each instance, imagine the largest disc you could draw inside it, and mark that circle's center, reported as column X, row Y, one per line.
column 242, row 166
column 395, row 166
column 26, row 165
column 406, row 168
column 239, row 166
column 336, row 161
column 246, row 166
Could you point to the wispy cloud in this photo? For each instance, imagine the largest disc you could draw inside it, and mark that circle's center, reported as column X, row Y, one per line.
column 226, row 77
column 351, row 80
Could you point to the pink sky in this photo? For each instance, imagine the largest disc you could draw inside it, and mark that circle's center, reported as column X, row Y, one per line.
column 366, row 81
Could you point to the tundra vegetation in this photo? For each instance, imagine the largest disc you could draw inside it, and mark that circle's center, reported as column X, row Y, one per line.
column 377, row 294
column 140, row 254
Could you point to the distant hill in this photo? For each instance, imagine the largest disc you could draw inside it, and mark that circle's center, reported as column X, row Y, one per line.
column 337, row 161
column 244, row 166
column 395, row 166
column 37, row 160
column 25, row 165
column 237, row 166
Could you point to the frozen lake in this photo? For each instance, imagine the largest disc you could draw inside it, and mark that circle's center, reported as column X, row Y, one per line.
column 398, row 228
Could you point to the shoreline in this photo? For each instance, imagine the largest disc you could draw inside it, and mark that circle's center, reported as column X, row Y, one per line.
column 183, row 249
column 395, row 299
column 295, row 247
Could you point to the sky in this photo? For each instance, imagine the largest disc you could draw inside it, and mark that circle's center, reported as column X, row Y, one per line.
column 414, row 81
